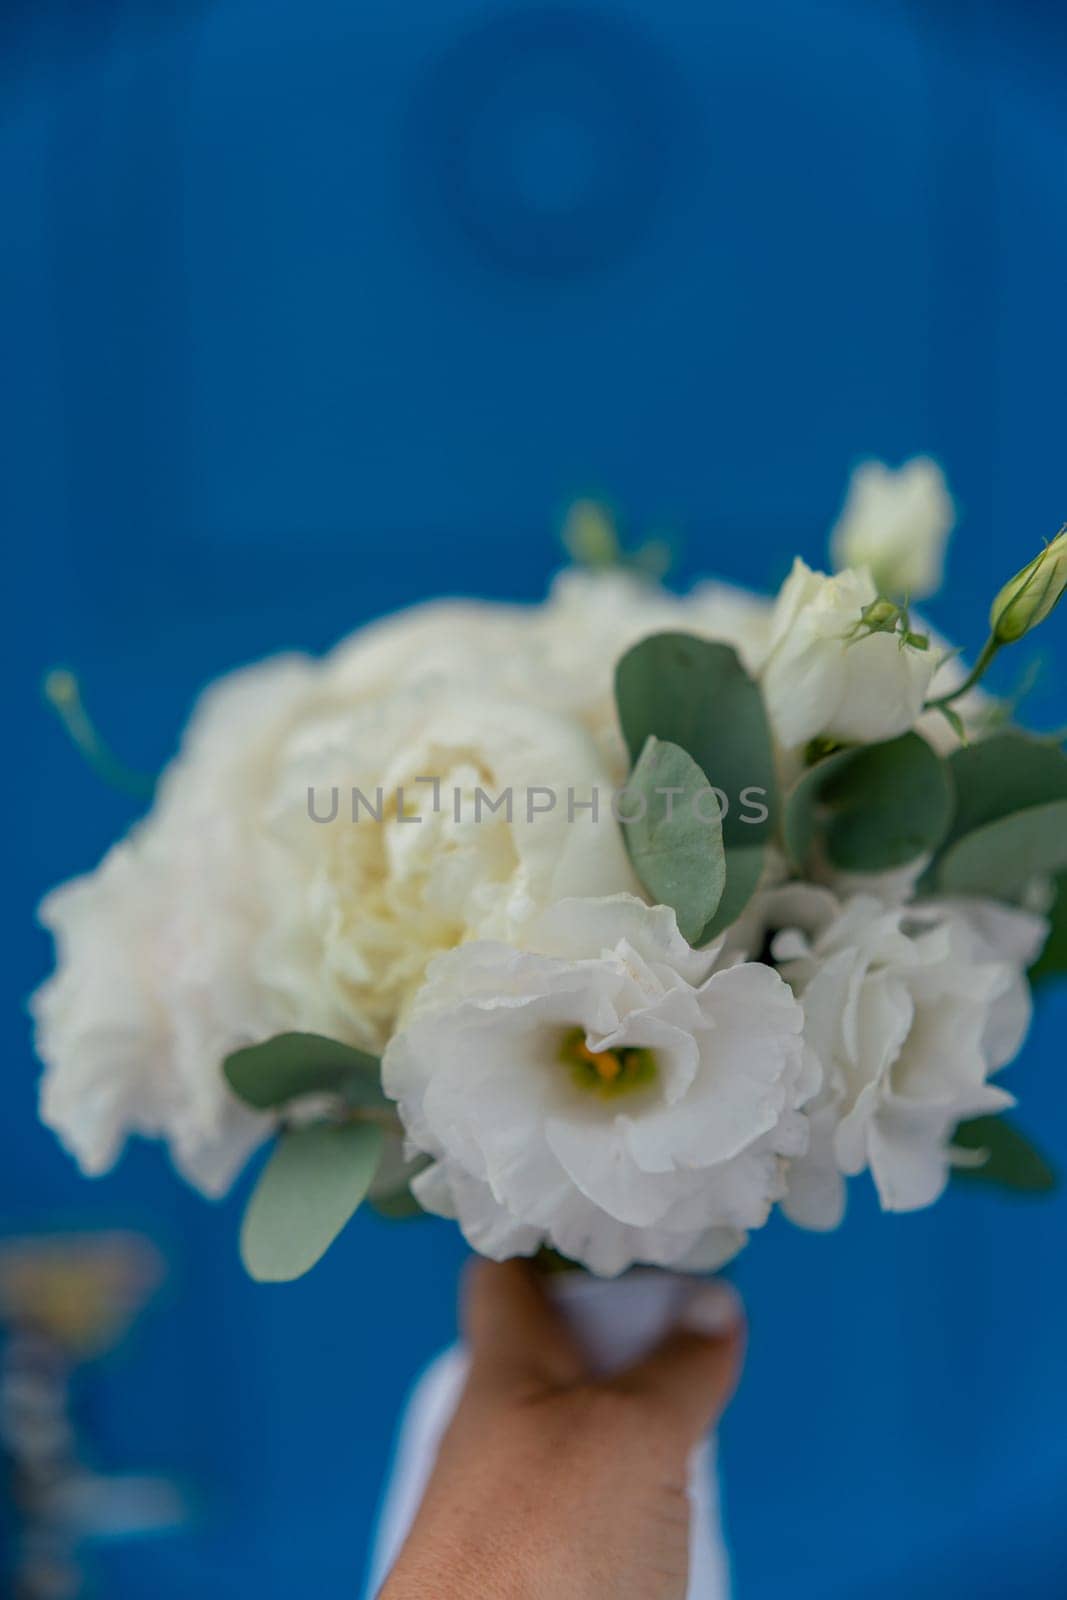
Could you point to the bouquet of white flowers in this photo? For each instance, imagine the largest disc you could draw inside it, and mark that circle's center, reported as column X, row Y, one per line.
column 603, row 926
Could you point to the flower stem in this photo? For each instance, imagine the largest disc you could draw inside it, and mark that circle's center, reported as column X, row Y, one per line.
column 991, row 647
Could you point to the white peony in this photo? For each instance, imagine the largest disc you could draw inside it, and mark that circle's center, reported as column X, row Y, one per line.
column 558, row 657
column 897, row 525
column 229, row 914
column 504, row 830
column 602, row 1091
column 439, row 641
column 154, row 980
column 825, row 676
column 909, row 1011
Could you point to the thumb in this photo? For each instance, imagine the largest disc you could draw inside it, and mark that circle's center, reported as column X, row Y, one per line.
column 689, row 1378
column 514, row 1333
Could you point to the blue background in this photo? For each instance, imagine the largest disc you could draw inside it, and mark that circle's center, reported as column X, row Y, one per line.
column 313, row 309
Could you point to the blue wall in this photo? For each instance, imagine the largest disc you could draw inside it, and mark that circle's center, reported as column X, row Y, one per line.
column 313, row 309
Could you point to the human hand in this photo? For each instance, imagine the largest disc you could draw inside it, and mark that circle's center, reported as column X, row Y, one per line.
column 553, row 1485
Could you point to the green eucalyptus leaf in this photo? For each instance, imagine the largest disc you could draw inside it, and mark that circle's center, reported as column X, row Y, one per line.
column 294, row 1064
column 1011, row 771
column 744, row 869
column 390, row 1193
column 400, row 1206
column 1052, row 962
column 891, row 804
column 878, row 806
column 1011, row 1160
column 1000, row 858
column 309, row 1189
column 675, row 838
column 800, row 813
column 696, row 694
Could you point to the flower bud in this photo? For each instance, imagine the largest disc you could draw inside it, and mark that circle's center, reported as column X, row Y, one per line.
column 882, row 616
column 1032, row 594
column 897, row 524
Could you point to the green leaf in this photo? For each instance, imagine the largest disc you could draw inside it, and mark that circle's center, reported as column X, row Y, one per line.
column 1012, row 1161
column 890, row 804
column 1052, row 962
column 956, row 723
column 802, row 805
column 400, row 1206
column 744, row 869
column 675, row 843
column 696, row 694
column 390, row 1193
column 1011, row 771
column 999, row 859
column 310, row 1188
column 880, row 806
column 293, row 1064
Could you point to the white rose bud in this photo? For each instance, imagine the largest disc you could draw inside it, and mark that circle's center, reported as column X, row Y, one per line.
column 841, row 664
column 897, row 524
column 1032, row 594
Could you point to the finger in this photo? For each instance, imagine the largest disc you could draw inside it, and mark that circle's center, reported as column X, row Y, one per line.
column 514, row 1333
column 689, row 1377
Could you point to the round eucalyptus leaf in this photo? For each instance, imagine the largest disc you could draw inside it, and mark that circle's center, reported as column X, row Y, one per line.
column 696, row 694
column 877, row 806
column 1011, row 771
column 889, row 805
column 674, row 836
column 294, row 1064
column 1010, row 1159
column 1052, row 962
column 999, row 859
column 744, row 869
column 400, row 1206
column 802, row 803
column 309, row 1189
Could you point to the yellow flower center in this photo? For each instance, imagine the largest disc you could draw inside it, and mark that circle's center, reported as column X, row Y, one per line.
column 607, row 1072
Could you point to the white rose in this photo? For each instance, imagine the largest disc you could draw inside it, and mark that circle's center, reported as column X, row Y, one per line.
column 598, row 1091
column 824, row 676
column 896, row 524
column 154, row 982
column 909, row 1010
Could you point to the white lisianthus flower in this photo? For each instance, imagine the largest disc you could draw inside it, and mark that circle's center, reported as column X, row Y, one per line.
column 897, row 525
column 602, row 1091
column 909, row 1011
column 825, row 675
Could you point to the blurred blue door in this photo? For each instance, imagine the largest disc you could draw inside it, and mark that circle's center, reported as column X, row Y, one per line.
column 311, row 310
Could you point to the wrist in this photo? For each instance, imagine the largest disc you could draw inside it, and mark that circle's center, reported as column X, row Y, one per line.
column 452, row 1575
